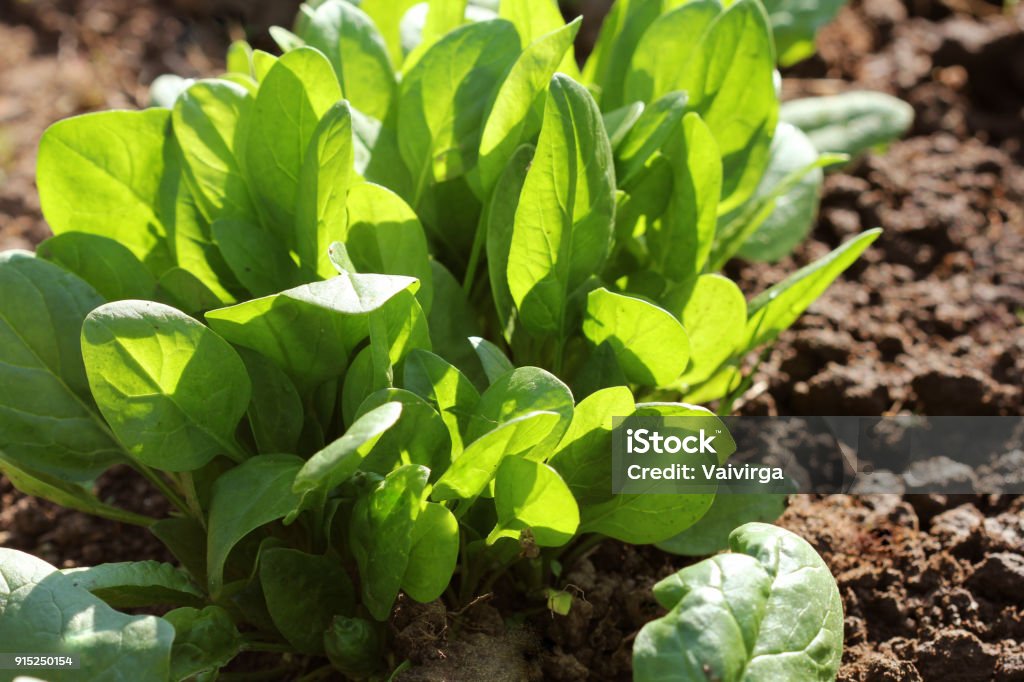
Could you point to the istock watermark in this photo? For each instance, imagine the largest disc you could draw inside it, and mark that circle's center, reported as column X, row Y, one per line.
column 701, row 454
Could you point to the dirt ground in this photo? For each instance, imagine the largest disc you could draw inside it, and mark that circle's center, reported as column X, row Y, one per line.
column 930, row 321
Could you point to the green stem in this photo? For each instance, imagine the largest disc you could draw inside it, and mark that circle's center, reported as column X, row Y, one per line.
column 474, row 254
column 123, row 515
column 188, row 484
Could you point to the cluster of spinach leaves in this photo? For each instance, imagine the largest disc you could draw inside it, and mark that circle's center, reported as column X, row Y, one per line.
column 363, row 313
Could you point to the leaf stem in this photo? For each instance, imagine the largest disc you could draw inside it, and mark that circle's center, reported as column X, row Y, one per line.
column 122, row 515
column 160, row 484
column 474, row 254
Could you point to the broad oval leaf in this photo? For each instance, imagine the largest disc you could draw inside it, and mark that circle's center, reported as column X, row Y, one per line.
column 434, row 553
column 851, row 122
column 251, row 495
column 205, row 640
column 107, row 265
column 444, row 386
column 769, row 611
column 170, row 388
column 531, row 495
column 563, row 223
column 418, row 437
column 48, row 421
column 104, row 173
column 519, row 392
column 131, row 584
column 714, row 316
column 650, row 345
column 43, row 611
column 275, row 411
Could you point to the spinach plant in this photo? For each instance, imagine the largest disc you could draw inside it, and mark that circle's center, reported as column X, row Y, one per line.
column 363, row 312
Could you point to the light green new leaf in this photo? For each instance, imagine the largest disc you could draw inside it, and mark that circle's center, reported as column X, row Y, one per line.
column 44, row 612
column 324, row 181
column 48, row 421
column 730, row 81
column 778, row 307
column 650, row 345
column 297, row 91
column 563, row 223
column 418, row 437
column 793, row 215
column 668, row 44
column 769, row 611
column 643, row 519
column 648, row 134
column 357, row 52
column 477, row 465
column 499, row 223
column 170, row 388
column 381, row 531
column 715, row 316
column 292, row 327
column 515, row 116
column 444, row 98
column 275, row 411
column 103, row 173
column 239, row 58
column 448, row 389
column 531, row 495
column 621, row 34
column 107, row 265
column 205, row 640
column 681, row 243
column 207, row 122
column 434, row 553
column 534, row 19
column 494, row 362
column 620, row 121
column 851, row 122
column 387, row 17
column 304, row 592
column 795, row 23
column 583, row 456
column 336, row 463
column 132, row 584
column 519, row 392
column 384, row 235
column 251, row 495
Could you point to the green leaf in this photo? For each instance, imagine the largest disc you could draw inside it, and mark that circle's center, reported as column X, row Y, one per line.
column 794, row 212
column 499, row 223
column 357, row 52
column 418, row 437
column 290, row 328
column 383, row 235
column 730, row 81
column 434, row 553
column 108, row 266
column 730, row 509
column 563, row 224
column 714, row 317
column 336, row 463
column 515, row 115
column 681, row 243
column 256, row 256
column 297, row 91
column 643, row 519
column 583, row 456
column 520, row 392
column 324, row 181
column 239, row 58
column 43, row 612
column 452, row 321
column 205, row 640
column 778, row 307
column 443, row 100
column 48, row 422
column 621, row 35
column 474, row 469
column 619, row 122
column 387, row 16
column 650, row 345
column 304, row 592
column 354, row 646
column 275, row 411
column 131, row 584
column 103, row 173
column 494, row 362
column 186, row 540
column 207, row 124
column 849, row 123
column 166, row 88
column 770, row 611
column 531, row 495
column 648, row 134
column 660, row 57
column 448, row 389
column 381, row 530
column 795, row 25
column 535, row 19
column 251, row 495
column 171, row 389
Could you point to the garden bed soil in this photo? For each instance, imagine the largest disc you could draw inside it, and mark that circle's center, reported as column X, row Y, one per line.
column 929, row 321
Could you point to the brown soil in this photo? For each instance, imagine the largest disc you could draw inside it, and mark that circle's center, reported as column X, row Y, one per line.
column 930, row 321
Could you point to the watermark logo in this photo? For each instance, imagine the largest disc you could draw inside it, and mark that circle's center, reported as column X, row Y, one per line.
column 643, row 441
